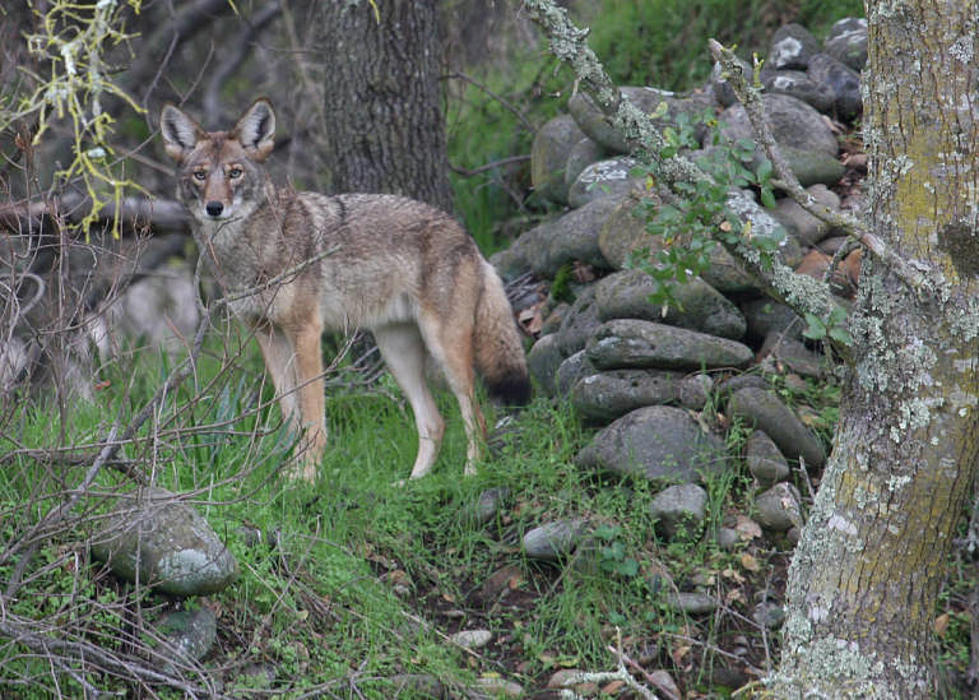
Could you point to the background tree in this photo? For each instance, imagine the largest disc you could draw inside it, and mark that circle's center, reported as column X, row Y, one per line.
column 381, row 69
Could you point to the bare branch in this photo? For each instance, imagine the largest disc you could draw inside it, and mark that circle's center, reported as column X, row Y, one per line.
column 159, row 214
column 243, row 44
column 513, row 109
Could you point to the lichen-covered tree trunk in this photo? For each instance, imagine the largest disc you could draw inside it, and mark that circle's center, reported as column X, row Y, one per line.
column 383, row 114
column 866, row 575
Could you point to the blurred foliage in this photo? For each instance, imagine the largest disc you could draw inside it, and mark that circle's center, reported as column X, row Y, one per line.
column 661, row 43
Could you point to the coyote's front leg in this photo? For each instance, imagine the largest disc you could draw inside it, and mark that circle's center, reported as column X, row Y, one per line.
column 294, row 362
column 309, row 372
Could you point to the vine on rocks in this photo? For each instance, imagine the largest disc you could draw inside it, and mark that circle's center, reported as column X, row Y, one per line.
column 692, row 224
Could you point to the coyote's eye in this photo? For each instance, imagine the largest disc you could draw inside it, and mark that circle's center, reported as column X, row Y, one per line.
column 200, row 175
column 234, row 173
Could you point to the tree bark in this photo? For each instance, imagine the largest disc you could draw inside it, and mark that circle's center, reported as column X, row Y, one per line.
column 865, row 577
column 383, row 110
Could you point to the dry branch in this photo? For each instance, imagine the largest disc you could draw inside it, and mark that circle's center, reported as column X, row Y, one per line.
column 161, row 215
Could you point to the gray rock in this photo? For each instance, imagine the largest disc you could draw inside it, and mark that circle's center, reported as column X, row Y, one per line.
column 769, row 614
column 800, row 85
column 579, row 324
column 584, row 153
column 763, row 410
column 625, row 229
column 794, row 355
column 492, row 688
column 552, row 324
column 779, row 507
column 698, row 306
column 490, row 503
column 511, row 262
column 765, row 316
column 632, row 343
column 740, row 381
column 805, row 227
column 692, row 602
column 472, row 639
column 543, row 361
column 573, row 236
column 603, row 397
column 571, row 370
column 813, row 167
column 190, row 634
column 695, row 389
column 680, row 511
column 595, row 124
column 728, row 538
column 847, row 42
column 794, row 124
column 842, row 80
column 792, row 46
column 555, row 540
column 166, row 543
column 549, row 154
column 658, row 443
column 765, row 462
column 605, row 179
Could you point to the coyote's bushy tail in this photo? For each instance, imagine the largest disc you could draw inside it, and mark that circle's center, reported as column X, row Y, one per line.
column 499, row 353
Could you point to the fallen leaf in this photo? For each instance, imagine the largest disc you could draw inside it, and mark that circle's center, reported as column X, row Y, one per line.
column 747, row 528
column 735, row 595
column 732, row 575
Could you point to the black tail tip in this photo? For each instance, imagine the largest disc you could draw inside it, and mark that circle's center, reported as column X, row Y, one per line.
column 512, row 391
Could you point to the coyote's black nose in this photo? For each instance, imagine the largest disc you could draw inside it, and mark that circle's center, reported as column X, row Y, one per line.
column 214, row 208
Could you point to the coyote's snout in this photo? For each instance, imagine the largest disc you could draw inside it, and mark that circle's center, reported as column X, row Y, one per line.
column 296, row 263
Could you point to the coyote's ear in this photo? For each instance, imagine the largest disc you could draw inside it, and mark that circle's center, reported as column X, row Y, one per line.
column 180, row 132
column 256, row 128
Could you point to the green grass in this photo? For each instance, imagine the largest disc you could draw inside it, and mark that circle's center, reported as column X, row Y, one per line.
column 352, row 579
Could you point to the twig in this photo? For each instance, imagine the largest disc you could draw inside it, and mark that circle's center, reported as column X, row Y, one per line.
column 98, row 657
column 750, row 98
column 289, row 274
column 243, row 45
column 489, row 166
column 521, row 117
column 619, row 674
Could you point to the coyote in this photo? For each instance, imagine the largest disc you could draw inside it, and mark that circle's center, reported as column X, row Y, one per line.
column 293, row 264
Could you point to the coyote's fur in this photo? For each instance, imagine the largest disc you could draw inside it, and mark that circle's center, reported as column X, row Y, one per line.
column 295, row 263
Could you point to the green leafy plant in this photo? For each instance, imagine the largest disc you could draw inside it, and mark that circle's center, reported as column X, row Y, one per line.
column 834, row 328
column 687, row 228
column 613, row 553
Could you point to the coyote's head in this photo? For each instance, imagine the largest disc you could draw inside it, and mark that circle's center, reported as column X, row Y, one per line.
column 219, row 172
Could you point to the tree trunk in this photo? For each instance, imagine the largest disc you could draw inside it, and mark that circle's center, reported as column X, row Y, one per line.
column 383, row 112
column 865, row 578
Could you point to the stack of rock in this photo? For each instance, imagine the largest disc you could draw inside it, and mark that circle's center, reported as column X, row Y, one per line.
column 642, row 371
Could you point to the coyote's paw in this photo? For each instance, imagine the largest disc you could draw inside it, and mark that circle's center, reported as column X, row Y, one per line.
column 302, row 470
